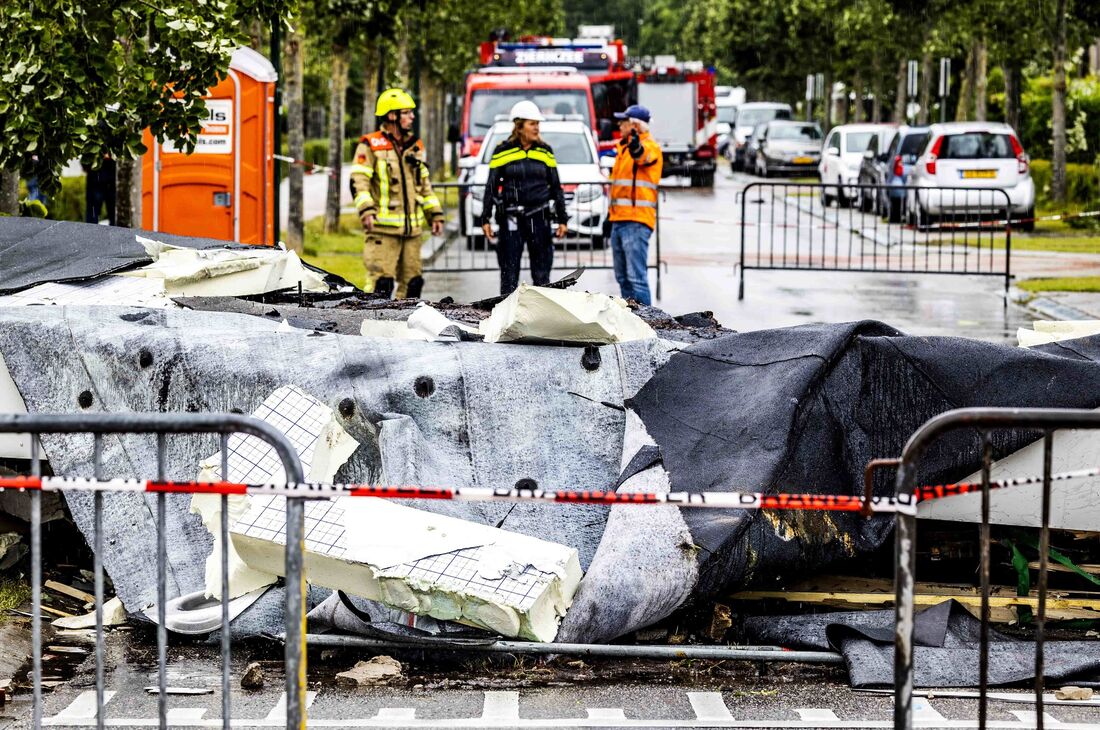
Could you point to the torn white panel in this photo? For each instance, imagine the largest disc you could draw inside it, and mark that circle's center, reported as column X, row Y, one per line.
column 1057, row 330
column 188, row 272
column 449, row 569
column 1074, row 503
column 111, row 290
column 425, row 323
column 322, row 445
column 12, row 445
column 540, row 314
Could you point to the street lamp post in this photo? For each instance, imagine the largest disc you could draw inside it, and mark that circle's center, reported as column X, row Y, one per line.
column 945, row 86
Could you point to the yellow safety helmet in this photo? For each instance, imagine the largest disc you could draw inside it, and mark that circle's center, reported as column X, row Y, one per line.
column 392, row 100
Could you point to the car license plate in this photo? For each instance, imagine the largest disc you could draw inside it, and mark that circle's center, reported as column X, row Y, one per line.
column 802, row 160
column 978, row 174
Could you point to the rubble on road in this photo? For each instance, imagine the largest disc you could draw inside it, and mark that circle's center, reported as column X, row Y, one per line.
column 253, row 677
column 405, row 394
column 113, row 615
column 377, row 670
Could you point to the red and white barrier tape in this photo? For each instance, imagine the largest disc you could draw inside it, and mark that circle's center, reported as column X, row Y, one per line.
column 904, row 504
column 313, row 167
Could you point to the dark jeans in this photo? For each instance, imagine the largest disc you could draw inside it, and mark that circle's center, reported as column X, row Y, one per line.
column 630, row 252
column 534, row 231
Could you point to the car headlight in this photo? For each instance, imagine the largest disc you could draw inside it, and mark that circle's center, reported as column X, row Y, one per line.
column 587, row 193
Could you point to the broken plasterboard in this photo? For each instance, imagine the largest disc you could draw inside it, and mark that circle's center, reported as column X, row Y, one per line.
column 421, row 562
column 540, row 314
column 1074, row 503
column 188, row 272
column 110, row 290
column 425, row 323
column 1045, row 332
column 322, row 445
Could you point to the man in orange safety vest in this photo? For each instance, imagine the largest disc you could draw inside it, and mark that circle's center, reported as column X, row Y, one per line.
column 635, row 179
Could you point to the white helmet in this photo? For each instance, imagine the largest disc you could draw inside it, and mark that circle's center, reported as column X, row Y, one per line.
column 526, row 110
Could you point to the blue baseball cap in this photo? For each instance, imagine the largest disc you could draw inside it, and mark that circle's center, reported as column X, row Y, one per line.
column 634, row 111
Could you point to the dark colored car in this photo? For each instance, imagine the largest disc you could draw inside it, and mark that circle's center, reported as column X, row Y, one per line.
column 889, row 166
column 786, row 147
column 750, row 116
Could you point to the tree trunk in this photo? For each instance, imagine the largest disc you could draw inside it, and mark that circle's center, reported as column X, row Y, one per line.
column 925, row 88
column 827, row 101
column 857, row 87
column 9, row 192
column 404, row 58
column 370, row 67
column 876, row 88
column 435, row 136
column 1012, row 94
column 966, row 90
column 901, row 99
column 1058, row 116
column 293, row 67
column 981, row 79
column 127, row 214
column 336, row 135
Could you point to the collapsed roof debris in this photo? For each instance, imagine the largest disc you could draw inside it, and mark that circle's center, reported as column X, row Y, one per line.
column 673, row 404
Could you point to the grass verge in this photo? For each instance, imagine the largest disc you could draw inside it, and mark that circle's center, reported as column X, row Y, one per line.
column 1065, row 283
column 340, row 252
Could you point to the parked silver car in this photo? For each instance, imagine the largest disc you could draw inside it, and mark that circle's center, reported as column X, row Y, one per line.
column 788, row 147
column 981, row 158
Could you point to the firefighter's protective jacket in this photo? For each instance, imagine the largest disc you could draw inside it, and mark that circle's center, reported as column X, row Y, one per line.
column 390, row 181
column 635, row 179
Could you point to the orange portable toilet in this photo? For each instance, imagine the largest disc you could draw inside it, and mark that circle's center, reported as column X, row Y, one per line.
column 225, row 188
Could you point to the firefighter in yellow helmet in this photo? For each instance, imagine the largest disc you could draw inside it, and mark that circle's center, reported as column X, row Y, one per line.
column 393, row 196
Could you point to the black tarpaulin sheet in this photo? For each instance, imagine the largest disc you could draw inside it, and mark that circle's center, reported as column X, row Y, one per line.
column 946, row 647
column 35, row 251
column 801, row 409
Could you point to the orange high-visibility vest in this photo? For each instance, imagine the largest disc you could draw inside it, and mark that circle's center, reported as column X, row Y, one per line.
column 634, row 183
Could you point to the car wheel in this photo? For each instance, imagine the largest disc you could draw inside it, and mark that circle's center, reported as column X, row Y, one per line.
column 826, row 199
column 475, row 243
column 924, row 220
column 866, row 202
column 841, row 198
column 893, row 210
column 1027, row 224
column 597, row 242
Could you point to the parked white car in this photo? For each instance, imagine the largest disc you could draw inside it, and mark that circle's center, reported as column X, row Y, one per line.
column 970, row 162
column 584, row 183
column 842, row 156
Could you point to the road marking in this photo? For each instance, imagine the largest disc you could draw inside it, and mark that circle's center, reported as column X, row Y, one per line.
column 83, row 706
column 1028, row 717
column 185, row 715
column 709, row 706
column 396, row 713
column 278, row 712
column 923, row 711
column 501, row 706
column 813, row 714
column 605, row 713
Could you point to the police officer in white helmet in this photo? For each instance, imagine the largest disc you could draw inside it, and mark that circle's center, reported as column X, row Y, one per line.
column 524, row 195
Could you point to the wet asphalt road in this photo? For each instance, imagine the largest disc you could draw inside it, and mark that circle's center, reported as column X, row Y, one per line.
column 525, row 694
column 700, row 243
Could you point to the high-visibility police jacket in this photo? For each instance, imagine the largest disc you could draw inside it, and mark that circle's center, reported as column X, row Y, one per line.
column 390, row 181
column 523, row 182
column 634, row 182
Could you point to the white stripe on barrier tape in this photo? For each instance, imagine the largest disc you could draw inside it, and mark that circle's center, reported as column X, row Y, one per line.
column 903, row 504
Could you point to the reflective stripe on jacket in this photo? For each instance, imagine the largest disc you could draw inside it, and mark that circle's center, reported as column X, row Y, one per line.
column 393, row 185
column 522, row 180
column 634, row 183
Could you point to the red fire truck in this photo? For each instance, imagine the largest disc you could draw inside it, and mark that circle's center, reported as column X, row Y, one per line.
column 595, row 54
column 685, row 116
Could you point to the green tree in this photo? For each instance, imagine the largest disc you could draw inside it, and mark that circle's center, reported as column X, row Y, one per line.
column 84, row 79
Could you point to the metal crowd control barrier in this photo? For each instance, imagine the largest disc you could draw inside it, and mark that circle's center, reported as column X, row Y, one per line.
column 883, row 229
column 1044, row 421
column 587, row 244
column 162, row 424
